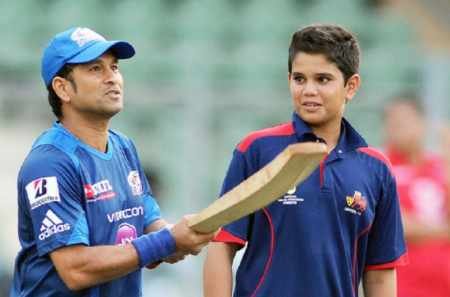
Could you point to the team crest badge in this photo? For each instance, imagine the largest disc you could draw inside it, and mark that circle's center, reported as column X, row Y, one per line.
column 134, row 181
column 356, row 204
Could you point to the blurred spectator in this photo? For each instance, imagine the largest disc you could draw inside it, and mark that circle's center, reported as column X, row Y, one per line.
column 154, row 180
column 423, row 189
column 445, row 148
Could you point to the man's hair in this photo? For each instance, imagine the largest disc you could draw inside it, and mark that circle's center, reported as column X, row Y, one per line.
column 53, row 98
column 337, row 44
column 407, row 98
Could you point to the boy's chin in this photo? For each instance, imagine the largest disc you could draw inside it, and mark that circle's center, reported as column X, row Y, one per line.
column 312, row 119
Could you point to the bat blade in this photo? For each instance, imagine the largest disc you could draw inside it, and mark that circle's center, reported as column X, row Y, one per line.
column 293, row 165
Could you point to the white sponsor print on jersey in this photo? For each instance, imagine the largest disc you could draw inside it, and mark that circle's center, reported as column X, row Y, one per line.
column 42, row 191
column 134, row 180
column 290, row 198
column 51, row 225
column 125, row 214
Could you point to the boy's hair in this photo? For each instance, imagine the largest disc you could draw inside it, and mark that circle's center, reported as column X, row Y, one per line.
column 53, row 99
column 337, row 44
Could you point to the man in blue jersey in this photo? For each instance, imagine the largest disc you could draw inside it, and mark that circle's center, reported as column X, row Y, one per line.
column 340, row 225
column 87, row 218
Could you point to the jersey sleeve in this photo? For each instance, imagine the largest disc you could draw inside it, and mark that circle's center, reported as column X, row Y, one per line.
column 151, row 210
column 238, row 171
column 386, row 245
column 50, row 190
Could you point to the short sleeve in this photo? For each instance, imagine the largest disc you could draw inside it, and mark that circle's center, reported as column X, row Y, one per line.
column 386, row 246
column 50, row 190
column 151, row 210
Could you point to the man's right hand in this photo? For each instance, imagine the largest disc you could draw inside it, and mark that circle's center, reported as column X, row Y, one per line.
column 187, row 240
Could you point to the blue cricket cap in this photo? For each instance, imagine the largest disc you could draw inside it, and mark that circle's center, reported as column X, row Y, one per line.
column 79, row 45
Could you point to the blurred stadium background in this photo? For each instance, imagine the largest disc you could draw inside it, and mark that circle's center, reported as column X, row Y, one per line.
column 206, row 73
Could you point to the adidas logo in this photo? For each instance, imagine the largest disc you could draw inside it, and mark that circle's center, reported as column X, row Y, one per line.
column 51, row 225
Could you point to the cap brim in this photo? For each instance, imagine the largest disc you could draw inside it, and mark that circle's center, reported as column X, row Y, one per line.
column 121, row 49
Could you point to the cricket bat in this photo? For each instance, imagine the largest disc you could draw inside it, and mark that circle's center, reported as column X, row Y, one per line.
column 293, row 165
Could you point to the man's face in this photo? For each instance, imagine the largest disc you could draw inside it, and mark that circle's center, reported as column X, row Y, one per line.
column 404, row 127
column 318, row 90
column 98, row 88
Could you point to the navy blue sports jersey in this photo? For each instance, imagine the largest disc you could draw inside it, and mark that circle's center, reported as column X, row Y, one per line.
column 69, row 193
column 318, row 238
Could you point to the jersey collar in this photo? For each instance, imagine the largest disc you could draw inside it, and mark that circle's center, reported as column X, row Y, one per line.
column 349, row 139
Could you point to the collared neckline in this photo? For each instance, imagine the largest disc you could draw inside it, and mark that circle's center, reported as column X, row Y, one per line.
column 349, row 138
column 303, row 131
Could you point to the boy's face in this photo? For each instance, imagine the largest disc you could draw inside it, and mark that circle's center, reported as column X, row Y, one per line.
column 318, row 90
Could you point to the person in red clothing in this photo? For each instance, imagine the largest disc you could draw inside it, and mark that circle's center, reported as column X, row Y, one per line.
column 423, row 191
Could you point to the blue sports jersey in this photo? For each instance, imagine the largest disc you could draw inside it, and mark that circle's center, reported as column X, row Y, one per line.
column 318, row 238
column 69, row 193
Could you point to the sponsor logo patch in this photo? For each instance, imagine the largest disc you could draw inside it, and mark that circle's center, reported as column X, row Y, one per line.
column 356, row 204
column 42, row 191
column 125, row 214
column 134, row 181
column 99, row 191
column 51, row 225
column 125, row 234
column 290, row 198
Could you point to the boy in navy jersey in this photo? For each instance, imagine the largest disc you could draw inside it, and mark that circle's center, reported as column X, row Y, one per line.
column 87, row 218
column 340, row 225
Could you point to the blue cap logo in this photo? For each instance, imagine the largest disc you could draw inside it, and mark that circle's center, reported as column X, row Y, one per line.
column 76, row 46
column 83, row 35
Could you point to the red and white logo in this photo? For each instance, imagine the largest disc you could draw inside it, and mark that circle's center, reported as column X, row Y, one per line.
column 42, row 191
column 99, row 191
